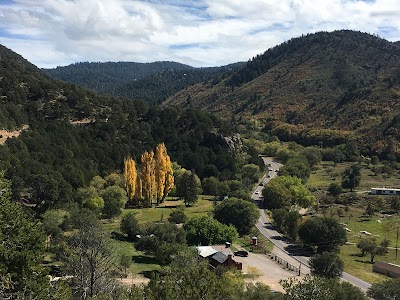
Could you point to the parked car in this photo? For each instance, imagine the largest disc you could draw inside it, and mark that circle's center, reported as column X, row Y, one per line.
column 242, row 253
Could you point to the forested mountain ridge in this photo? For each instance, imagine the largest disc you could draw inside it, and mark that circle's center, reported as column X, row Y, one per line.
column 150, row 82
column 346, row 83
column 59, row 153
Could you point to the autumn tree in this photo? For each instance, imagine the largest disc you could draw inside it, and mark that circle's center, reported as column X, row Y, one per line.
column 164, row 178
column 130, row 177
column 148, row 177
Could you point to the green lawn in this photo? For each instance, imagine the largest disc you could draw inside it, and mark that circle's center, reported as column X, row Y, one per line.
column 357, row 265
column 361, row 267
column 142, row 263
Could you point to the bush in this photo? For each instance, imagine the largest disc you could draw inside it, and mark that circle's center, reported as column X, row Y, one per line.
column 130, row 226
column 178, row 216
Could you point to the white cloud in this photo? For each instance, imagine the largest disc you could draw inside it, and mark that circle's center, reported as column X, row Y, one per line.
column 200, row 33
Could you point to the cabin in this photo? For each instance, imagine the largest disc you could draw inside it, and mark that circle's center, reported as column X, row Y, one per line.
column 385, row 191
column 387, row 269
column 217, row 258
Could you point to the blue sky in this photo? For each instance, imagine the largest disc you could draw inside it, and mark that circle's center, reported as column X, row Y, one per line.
column 200, row 33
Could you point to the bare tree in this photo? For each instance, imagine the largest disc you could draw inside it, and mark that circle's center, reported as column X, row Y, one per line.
column 90, row 261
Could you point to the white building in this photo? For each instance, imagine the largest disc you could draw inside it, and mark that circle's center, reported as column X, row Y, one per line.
column 385, row 191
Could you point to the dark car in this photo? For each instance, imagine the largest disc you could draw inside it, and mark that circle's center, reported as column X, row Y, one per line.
column 241, row 253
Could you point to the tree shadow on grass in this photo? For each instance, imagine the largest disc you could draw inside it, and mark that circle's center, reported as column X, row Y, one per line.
column 367, row 262
column 357, row 255
column 150, row 274
column 119, row 236
column 142, row 259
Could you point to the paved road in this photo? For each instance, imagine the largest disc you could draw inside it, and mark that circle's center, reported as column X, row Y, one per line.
column 294, row 254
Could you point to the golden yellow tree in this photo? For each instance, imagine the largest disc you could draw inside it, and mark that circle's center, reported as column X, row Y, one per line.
column 138, row 191
column 169, row 177
column 130, row 178
column 148, row 177
column 164, row 176
column 160, row 170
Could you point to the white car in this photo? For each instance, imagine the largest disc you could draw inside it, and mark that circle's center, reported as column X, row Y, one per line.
column 256, row 192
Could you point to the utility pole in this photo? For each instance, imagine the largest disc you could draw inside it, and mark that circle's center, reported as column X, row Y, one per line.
column 397, row 240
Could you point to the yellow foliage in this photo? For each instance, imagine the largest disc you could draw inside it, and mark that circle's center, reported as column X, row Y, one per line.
column 148, row 177
column 130, row 177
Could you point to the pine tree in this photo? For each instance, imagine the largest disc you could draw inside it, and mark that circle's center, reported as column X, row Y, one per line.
column 130, row 177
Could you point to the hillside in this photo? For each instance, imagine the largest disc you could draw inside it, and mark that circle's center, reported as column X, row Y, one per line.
column 64, row 135
column 150, row 82
column 344, row 84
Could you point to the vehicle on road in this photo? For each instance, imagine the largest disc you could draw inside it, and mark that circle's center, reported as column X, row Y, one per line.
column 242, row 253
column 256, row 192
column 261, row 183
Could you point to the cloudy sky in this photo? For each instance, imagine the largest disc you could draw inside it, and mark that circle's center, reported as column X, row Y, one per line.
column 52, row 33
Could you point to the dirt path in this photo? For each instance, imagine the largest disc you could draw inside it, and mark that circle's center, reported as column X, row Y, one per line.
column 5, row 134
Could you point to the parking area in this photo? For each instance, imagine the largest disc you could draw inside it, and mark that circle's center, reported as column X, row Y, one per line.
column 271, row 272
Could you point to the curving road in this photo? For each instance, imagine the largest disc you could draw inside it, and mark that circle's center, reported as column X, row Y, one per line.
column 292, row 253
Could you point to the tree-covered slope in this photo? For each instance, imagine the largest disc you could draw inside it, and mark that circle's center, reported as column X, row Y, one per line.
column 75, row 134
column 344, row 80
column 150, row 82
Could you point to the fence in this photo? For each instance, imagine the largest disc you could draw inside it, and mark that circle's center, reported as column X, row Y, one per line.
column 286, row 264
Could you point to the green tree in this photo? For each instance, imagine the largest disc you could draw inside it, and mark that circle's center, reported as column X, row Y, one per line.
column 335, row 189
column 22, row 244
column 320, row 288
column 286, row 191
column 178, row 216
column 240, row 213
column 188, row 187
column 387, row 290
column 130, row 225
column 279, row 216
column 208, row 231
column 327, row 265
column 291, row 224
column 351, row 177
column 326, row 234
column 114, row 200
column 395, row 203
column 370, row 245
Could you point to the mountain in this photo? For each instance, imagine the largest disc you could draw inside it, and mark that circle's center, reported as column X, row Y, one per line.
column 343, row 84
column 68, row 134
column 150, row 82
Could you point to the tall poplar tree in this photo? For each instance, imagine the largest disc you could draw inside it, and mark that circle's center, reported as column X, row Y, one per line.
column 148, row 178
column 130, row 177
column 160, row 164
column 138, row 191
column 164, row 175
column 169, row 178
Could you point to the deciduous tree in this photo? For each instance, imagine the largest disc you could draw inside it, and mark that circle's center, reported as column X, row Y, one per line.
column 240, row 213
column 326, row 234
column 327, row 265
column 351, row 177
column 130, row 178
column 148, row 178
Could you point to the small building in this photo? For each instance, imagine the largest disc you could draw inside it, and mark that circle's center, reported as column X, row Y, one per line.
column 385, row 191
column 387, row 269
column 217, row 258
column 221, row 259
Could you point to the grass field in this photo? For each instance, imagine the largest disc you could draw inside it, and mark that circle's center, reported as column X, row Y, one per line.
column 141, row 263
column 379, row 226
column 323, row 176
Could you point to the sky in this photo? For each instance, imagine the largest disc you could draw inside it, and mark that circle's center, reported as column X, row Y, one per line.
column 199, row 33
